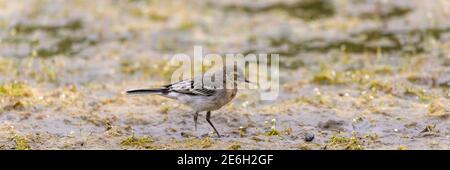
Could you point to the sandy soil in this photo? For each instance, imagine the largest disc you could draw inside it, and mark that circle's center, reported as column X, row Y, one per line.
column 355, row 74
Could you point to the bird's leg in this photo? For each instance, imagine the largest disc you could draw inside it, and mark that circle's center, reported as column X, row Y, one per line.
column 195, row 120
column 208, row 115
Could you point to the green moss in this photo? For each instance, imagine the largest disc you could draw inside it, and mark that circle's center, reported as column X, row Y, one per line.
column 376, row 85
column 373, row 137
column 235, row 147
column 402, row 147
column 421, row 94
column 438, row 108
column 46, row 73
column 15, row 89
column 256, row 139
column 308, row 146
column 128, row 66
column 242, row 131
column 413, row 78
column 143, row 142
column 67, row 146
column 53, row 29
column 64, row 46
column 18, row 105
column 206, row 142
column 186, row 25
column 147, row 68
column 61, row 43
column 293, row 63
column 51, row 74
column 364, row 43
column 352, row 143
column 328, row 77
column 196, row 143
column 306, row 9
column 165, row 109
column 391, row 12
column 273, row 132
column 419, row 79
column 317, row 101
column 429, row 128
column 21, row 143
column 157, row 17
column 304, row 146
column 384, row 70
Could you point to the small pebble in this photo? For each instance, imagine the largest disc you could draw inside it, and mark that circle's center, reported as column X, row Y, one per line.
column 317, row 91
column 186, row 134
column 309, row 137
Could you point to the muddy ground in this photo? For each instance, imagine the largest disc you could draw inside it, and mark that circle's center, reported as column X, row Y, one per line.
column 355, row 74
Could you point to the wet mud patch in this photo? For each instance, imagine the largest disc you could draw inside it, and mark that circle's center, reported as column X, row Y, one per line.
column 368, row 41
column 48, row 40
column 303, row 9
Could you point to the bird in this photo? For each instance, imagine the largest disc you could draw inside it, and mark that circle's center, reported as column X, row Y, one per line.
column 202, row 95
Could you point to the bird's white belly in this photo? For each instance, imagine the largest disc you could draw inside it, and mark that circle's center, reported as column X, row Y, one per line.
column 204, row 103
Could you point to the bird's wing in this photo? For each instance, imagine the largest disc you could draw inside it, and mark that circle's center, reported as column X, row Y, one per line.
column 191, row 87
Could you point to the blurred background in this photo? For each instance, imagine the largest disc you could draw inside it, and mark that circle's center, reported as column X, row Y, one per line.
column 355, row 74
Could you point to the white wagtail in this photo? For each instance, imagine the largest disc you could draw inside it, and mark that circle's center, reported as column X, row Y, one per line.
column 202, row 95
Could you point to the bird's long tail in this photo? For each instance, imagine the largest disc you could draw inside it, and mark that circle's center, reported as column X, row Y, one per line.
column 147, row 91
